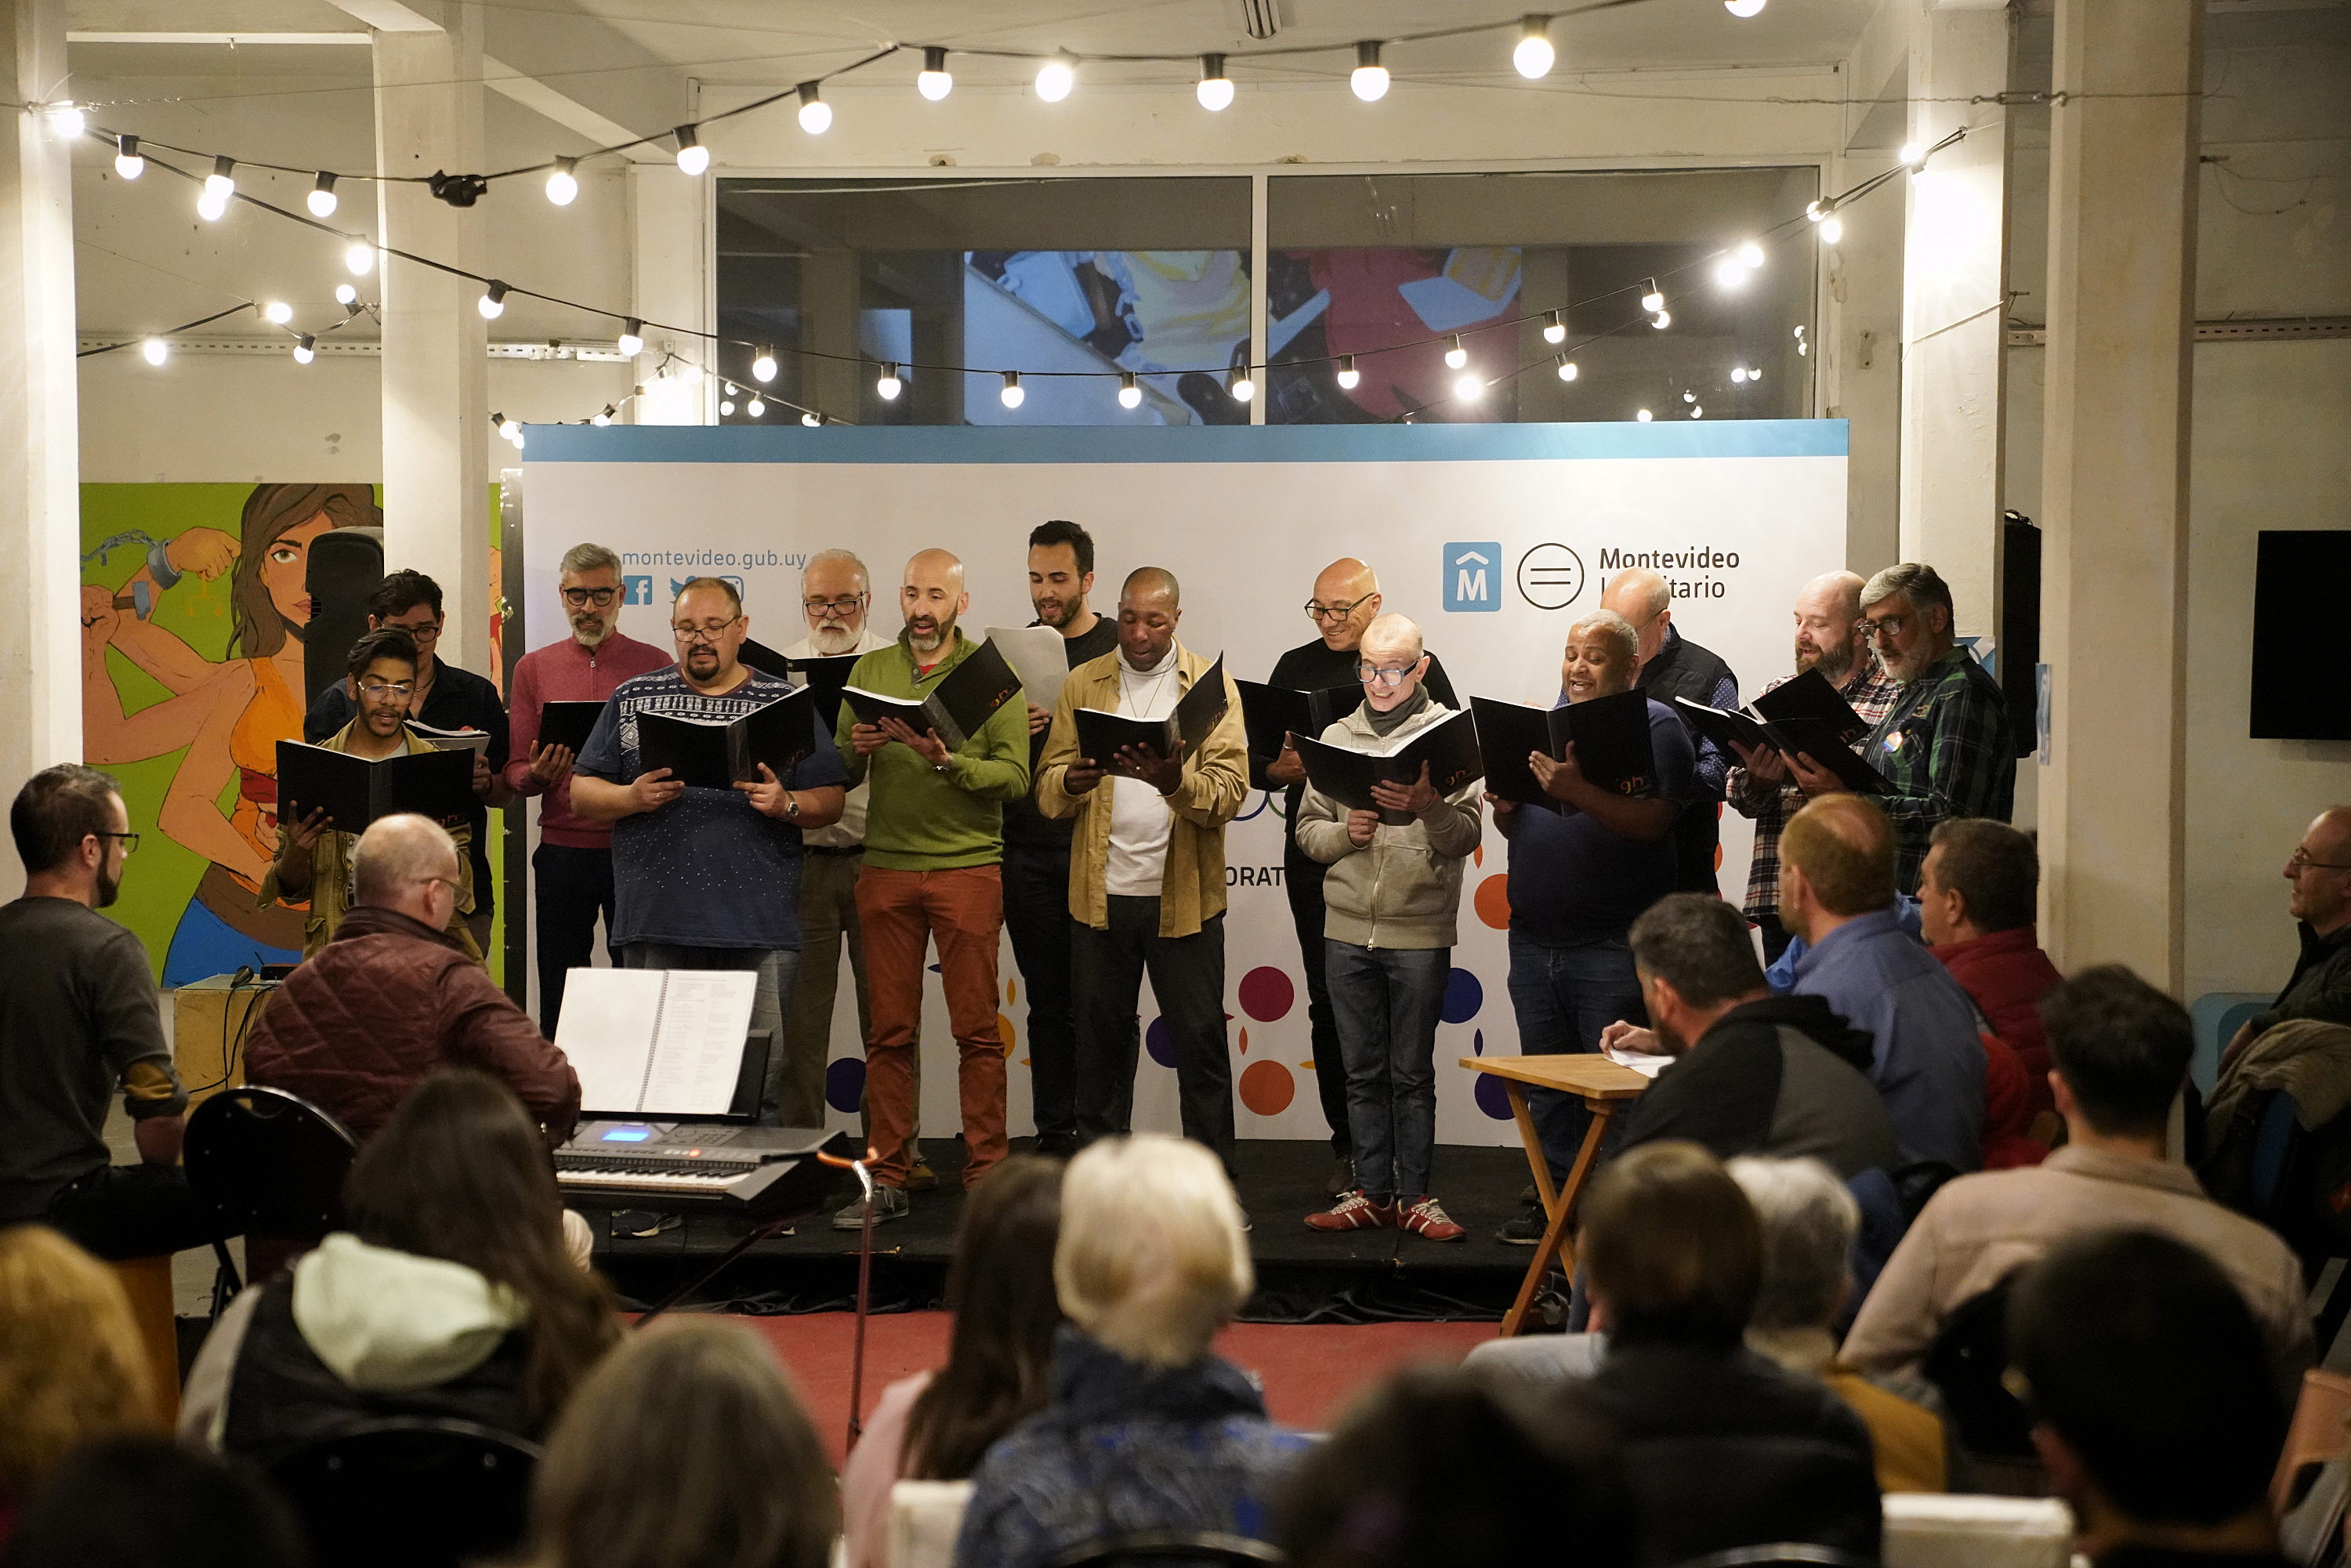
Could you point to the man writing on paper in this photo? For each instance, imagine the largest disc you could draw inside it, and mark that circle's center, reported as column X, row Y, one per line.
column 1146, row 886
column 836, row 598
column 314, row 857
column 1674, row 666
column 572, row 867
column 1345, row 598
column 1391, row 896
column 708, row 879
column 934, row 851
column 1036, row 847
column 393, row 996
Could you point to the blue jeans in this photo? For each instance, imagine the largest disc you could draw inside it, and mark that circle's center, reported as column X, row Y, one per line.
column 777, row 968
column 1564, row 997
column 1385, row 1001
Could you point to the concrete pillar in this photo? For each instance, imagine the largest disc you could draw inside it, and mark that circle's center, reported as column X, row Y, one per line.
column 1954, row 309
column 40, row 502
column 670, row 216
column 436, row 470
column 1855, row 352
column 2122, row 285
column 829, row 323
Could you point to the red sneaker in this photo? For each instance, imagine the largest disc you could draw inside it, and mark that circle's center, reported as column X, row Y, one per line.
column 1353, row 1212
column 1427, row 1218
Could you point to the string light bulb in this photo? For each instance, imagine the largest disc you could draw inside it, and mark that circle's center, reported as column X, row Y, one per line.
column 1455, row 356
column 1130, row 389
column 1216, row 89
column 1814, row 211
column 1750, row 255
column 322, row 200
column 816, row 115
column 1912, row 153
column 212, row 206
column 1754, row 376
column 507, row 427
column 1644, row 415
column 222, row 181
column 887, row 385
column 1555, row 327
column 1369, row 78
column 935, row 83
column 1728, row 274
column 692, row 157
column 493, row 302
column 603, row 416
column 1349, row 377
column 1240, row 385
column 1743, row 8
column 1055, row 77
column 67, row 120
column 1012, row 396
column 306, row 348
column 278, row 312
column 154, row 350
column 1652, row 299
column 127, row 161
column 1832, row 230
column 360, row 258
column 1566, row 368
column 1697, row 411
column 763, row 369
column 756, row 408
column 689, row 374
column 726, row 408
column 810, row 418
column 1662, row 319
column 346, row 295
column 1738, row 373
column 563, row 183
column 1469, row 389
column 632, row 338
column 1534, row 54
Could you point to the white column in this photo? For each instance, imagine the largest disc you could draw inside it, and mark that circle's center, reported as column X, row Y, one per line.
column 1954, row 309
column 2122, row 281
column 40, row 502
column 670, row 214
column 437, row 469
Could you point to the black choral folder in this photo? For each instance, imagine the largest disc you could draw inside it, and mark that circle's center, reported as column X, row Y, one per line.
column 1611, row 736
column 1272, row 713
column 713, row 754
column 355, row 791
column 568, row 724
column 955, row 708
column 1101, row 733
column 1448, row 747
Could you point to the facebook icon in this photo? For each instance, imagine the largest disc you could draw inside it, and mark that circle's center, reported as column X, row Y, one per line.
column 1472, row 577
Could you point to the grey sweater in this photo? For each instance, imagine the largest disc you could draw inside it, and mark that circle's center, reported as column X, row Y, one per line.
column 1403, row 888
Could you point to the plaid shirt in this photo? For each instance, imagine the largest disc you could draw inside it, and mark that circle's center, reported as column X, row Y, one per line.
column 1947, row 745
column 1873, row 693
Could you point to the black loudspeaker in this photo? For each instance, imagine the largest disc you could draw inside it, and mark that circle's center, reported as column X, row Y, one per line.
column 346, row 565
column 2019, row 627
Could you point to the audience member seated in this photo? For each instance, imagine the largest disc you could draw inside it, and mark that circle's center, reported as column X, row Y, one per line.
column 1836, row 892
column 2119, row 1049
column 1443, row 1466
column 1976, row 900
column 71, row 1367
column 79, row 1014
column 1146, row 1430
column 453, row 1293
column 1754, row 1073
column 147, row 1502
column 2146, row 1376
column 685, row 1449
column 392, row 997
column 1809, row 1222
column 2320, row 986
column 937, row 1425
column 1724, row 1448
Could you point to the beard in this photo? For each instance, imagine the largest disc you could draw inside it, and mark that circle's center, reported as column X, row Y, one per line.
column 590, row 629
column 1669, row 1040
column 832, row 638
column 109, row 888
column 1056, row 613
column 941, row 631
column 1834, row 664
column 702, row 661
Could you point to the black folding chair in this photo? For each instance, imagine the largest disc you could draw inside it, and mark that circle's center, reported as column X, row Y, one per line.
column 409, row 1493
column 1168, row 1545
column 270, row 1166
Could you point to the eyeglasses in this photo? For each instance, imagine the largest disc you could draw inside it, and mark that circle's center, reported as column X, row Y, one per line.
column 581, row 598
column 1374, row 675
column 130, row 840
column 386, row 688
column 847, row 604
column 456, row 890
column 709, row 633
column 2299, row 860
column 428, row 633
column 1318, row 611
column 1880, row 628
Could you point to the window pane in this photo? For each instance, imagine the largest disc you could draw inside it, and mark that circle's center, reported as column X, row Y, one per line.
column 1037, row 275
column 1363, row 265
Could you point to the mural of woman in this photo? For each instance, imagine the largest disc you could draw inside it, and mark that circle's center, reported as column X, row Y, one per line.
column 228, row 715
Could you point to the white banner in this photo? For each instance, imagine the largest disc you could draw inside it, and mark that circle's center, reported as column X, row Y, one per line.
column 1494, row 537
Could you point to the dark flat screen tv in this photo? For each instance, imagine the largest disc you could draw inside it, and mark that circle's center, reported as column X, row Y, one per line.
column 2302, row 636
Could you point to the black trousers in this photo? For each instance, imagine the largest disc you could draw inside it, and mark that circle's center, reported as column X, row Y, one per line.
column 573, row 886
column 119, row 1212
column 1302, row 880
column 1187, row 978
column 1036, row 918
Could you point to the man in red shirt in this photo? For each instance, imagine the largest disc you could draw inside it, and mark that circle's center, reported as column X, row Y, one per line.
column 572, row 867
column 1976, row 907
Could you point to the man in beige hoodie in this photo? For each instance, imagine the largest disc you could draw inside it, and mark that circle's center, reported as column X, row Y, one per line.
column 1392, row 895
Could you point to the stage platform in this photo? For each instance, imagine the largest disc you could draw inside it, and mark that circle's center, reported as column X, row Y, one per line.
column 1365, row 1276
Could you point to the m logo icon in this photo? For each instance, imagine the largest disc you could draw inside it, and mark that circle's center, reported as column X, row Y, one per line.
column 1472, row 577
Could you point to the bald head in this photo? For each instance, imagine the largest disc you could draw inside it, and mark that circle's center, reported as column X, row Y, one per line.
column 1390, row 662
column 932, row 598
column 1391, row 633
column 2322, row 888
column 1828, row 625
column 1149, row 606
column 1645, row 600
column 396, row 864
column 1346, row 598
column 1152, row 582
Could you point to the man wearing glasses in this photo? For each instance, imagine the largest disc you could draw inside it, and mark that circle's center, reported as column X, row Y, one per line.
column 1946, row 742
column 572, row 870
column 708, row 879
column 2320, row 986
column 1345, row 598
column 446, row 698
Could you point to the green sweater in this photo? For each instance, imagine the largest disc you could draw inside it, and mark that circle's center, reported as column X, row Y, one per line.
column 921, row 819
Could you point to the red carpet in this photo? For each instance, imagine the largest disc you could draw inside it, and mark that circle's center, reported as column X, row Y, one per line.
column 1311, row 1371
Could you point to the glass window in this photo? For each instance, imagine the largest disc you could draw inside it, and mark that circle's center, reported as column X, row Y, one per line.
column 1039, row 276
column 1373, row 265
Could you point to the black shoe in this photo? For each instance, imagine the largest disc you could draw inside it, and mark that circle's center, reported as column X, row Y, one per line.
column 889, row 1203
column 1525, row 1231
column 1058, row 1146
column 1341, row 1180
column 643, row 1222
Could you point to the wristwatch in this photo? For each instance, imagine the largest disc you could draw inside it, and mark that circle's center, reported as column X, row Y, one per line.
column 791, row 807
column 938, row 768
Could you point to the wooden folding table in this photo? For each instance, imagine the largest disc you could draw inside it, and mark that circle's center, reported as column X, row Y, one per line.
column 1602, row 1085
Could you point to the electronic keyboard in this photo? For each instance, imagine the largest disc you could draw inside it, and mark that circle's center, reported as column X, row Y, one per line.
column 751, row 1173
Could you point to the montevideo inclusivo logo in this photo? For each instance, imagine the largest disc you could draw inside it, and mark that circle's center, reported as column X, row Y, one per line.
column 1550, row 577
column 1472, row 576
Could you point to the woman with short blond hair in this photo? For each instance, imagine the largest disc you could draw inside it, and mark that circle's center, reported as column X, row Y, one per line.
column 1146, row 1430
column 71, row 1367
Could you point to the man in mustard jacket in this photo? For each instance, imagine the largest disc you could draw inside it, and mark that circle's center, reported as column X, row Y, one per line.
column 1147, row 874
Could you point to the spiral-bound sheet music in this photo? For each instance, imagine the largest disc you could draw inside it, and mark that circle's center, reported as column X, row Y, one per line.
column 656, row 1042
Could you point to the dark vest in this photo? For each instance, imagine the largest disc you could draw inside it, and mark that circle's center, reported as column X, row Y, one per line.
column 1683, row 669
column 281, row 1394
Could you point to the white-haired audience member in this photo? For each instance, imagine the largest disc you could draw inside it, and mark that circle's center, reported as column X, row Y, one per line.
column 1146, row 1430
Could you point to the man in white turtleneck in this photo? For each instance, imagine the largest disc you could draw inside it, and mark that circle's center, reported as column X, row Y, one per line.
column 1147, row 874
